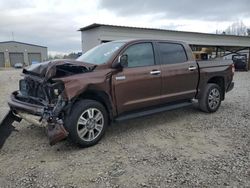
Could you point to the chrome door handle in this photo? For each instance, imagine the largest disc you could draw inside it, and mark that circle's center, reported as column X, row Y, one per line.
column 120, row 78
column 155, row 72
column 192, row 68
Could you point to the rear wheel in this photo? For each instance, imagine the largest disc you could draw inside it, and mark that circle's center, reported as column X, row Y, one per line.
column 211, row 98
column 87, row 122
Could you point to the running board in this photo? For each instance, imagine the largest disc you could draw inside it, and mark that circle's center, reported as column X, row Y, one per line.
column 152, row 111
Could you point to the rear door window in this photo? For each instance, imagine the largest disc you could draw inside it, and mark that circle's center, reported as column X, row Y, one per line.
column 172, row 53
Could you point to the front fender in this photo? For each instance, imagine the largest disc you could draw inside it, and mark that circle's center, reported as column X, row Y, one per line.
column 77, row 84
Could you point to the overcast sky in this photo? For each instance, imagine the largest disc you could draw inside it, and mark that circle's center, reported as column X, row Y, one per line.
column 54, row 23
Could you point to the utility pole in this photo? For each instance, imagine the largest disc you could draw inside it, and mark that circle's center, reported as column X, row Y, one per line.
column 13, row 36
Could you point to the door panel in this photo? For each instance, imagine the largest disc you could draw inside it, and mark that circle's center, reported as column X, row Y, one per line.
column 137, row 88
column 138, row 85
column 178, row 82
column 179, row 76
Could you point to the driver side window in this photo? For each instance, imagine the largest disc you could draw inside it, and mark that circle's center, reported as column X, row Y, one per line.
column 140, row 55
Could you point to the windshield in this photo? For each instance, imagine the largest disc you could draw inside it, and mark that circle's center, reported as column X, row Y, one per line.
column 100, row 54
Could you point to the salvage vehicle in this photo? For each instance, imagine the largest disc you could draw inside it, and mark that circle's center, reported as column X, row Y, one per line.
column 116, row 81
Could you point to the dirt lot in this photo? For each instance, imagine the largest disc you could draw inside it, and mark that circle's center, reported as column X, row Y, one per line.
column 184, row 147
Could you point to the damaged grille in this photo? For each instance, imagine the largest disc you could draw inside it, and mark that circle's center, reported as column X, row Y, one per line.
column 30, row 88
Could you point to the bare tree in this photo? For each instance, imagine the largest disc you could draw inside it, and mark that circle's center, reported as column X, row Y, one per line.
column 248, row 32
column 237, row 28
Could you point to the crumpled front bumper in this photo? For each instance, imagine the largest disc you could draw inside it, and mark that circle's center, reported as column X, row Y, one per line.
column 18, row 105
column 34, row 114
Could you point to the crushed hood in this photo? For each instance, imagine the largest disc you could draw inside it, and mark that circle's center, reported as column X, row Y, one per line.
column 49, row 69
column 75, row 82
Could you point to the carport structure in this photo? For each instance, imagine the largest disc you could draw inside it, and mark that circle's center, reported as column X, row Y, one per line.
column 222, row 45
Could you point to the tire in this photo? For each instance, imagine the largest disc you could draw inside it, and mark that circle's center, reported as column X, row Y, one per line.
column 87, row 122
column 210, row 100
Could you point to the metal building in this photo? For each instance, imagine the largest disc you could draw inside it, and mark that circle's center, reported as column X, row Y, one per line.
column 12, row 52
column 223, row 45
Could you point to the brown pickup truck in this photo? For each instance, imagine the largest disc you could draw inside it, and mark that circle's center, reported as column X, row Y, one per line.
column 116, row 81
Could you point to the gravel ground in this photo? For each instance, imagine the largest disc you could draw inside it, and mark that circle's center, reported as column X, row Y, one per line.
column 181, row 148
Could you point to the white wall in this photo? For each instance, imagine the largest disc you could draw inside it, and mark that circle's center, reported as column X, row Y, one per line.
column 90, row 39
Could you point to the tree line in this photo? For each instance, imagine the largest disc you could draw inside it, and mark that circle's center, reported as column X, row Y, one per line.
column 237, row 28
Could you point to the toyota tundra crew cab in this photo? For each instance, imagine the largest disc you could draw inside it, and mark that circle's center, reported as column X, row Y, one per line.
column 116, row 81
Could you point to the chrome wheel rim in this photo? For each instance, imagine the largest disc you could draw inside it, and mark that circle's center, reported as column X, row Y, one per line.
column 214, row 98
column 90, row 124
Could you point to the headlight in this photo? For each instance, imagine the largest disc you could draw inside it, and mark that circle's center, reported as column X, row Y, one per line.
column 56, row 89
column 56, row 92
column 23, row 87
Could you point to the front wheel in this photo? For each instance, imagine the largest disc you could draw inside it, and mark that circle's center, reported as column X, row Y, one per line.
column 211, row 98
column 87, row 122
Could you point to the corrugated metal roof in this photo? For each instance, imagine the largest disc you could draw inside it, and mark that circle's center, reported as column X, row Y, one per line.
column 95, row 25
column 3, row 42
column 110, row 33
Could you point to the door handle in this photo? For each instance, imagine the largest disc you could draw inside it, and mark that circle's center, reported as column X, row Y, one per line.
column 120, row 78
column 192, row 68
column 155, row 72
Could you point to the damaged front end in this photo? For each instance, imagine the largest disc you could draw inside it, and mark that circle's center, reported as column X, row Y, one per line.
column 41, row 98
column 46, row 115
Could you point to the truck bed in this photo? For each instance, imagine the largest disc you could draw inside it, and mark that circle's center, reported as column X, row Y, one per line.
column 214, row 63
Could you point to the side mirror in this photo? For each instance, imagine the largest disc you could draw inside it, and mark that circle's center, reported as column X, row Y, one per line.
column 123, row 60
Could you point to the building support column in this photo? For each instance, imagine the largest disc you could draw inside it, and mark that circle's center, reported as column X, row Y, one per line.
column 7, row 59
column 249, row 59
column 217, row 49
column 25, row 58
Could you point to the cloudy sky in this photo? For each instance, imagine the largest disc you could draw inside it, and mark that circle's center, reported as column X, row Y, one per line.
column 54, row 23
